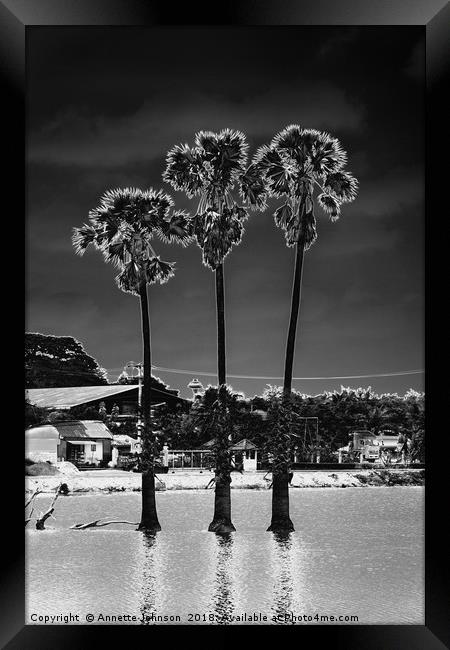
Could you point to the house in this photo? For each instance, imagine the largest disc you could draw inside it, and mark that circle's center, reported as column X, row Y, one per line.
column 125, row 396
column 82, row 442
column 243, row 453
column 370, row 446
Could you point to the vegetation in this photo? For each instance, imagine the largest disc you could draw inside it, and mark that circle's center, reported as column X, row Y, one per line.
column 58, row 361
column 339, row 413
column 123, row 228
column 295, row 163
column 214, row 169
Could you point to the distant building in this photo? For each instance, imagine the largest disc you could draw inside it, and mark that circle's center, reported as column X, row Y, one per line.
column 81, row 442
column 370, row 446
column 246, row 453
column 197, row 388
column 124, row 395
column 243, row 453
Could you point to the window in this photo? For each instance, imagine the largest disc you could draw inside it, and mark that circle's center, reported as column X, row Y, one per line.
column 93, row 447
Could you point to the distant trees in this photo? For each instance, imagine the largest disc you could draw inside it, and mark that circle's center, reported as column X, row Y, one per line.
column 339, row 413
column 59, row 361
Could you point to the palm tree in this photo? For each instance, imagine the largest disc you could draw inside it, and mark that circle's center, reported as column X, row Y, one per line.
column 211, row 170
column 295, row 163
column 122, row 228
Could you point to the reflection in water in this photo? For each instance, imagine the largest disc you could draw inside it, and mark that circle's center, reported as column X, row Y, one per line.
column 341, row 561
column 223, row 601
column 148, row 602
column 282, row 554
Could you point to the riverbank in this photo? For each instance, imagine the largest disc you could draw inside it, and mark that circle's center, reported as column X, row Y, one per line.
column 110, row 481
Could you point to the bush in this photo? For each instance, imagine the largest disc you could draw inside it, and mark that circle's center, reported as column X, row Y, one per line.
column 40, row 469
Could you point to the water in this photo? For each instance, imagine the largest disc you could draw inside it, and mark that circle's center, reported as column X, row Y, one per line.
column 358, row 551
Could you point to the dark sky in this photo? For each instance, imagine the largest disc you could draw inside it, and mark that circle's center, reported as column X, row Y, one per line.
column 105, row 105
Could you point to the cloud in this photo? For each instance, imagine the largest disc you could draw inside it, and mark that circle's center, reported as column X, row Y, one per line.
column 396, row 189
column 80, row 138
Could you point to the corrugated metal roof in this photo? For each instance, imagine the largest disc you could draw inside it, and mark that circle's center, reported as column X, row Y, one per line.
column 72, row 429
column 239, row 446
column 242, row 445
column 83, row 429
column 66, row 398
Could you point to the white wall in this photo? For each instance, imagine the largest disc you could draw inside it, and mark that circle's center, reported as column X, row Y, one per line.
column 41, row 450
column 93, row 456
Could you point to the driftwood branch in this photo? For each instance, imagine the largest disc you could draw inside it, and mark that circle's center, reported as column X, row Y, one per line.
column 97, row 523
column 40, row 521
column 28, row 519
column 35, row 493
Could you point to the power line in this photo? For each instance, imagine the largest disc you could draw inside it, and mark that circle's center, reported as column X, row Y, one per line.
column 212, row 374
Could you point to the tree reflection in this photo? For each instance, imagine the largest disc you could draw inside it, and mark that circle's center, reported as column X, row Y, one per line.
column 148, row 600
column 223, row 601
column 282, row 552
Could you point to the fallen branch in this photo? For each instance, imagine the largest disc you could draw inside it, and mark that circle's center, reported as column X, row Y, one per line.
column 40, row 522
column 35, row 493
column 27, row 521
column 97, row 523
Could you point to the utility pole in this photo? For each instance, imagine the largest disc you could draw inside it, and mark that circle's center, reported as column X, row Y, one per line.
column 139, row 425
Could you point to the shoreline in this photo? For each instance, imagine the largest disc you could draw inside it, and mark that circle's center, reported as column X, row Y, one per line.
column 113, row 481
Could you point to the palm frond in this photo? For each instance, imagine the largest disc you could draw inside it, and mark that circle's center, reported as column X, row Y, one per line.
column 283, row 215
column 330, row 205
column 184, row 169
column 327, row 154
column 253, row 188
column 153, row 208
column 225, row 156
column 278, row 170
column 217, row 233
column 83, row 237
column 177, row 229
column 342, row 185
column 158, row 271
column 117, row 253
column 309, row 226
column 129, row 278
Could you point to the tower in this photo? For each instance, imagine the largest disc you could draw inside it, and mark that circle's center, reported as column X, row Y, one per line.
column 196, row 387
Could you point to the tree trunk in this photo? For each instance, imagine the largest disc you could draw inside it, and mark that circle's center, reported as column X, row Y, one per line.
column 295, row 306
column 220, row 310
column 281, row 522
column 221, row 522
column 149, row 517
column 280, row 486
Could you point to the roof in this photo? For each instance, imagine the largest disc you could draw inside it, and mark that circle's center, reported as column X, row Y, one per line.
column 242, row 445
column 121, row 440
column 88, row 429
column 66, row 398
column 83, row 429
column 209, row 444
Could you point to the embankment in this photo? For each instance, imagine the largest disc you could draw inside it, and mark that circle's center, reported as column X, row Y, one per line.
column 120, row 481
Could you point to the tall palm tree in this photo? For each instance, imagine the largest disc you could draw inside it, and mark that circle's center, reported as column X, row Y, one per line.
column 295, row 163
column 212, row 170
column 123, row 228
